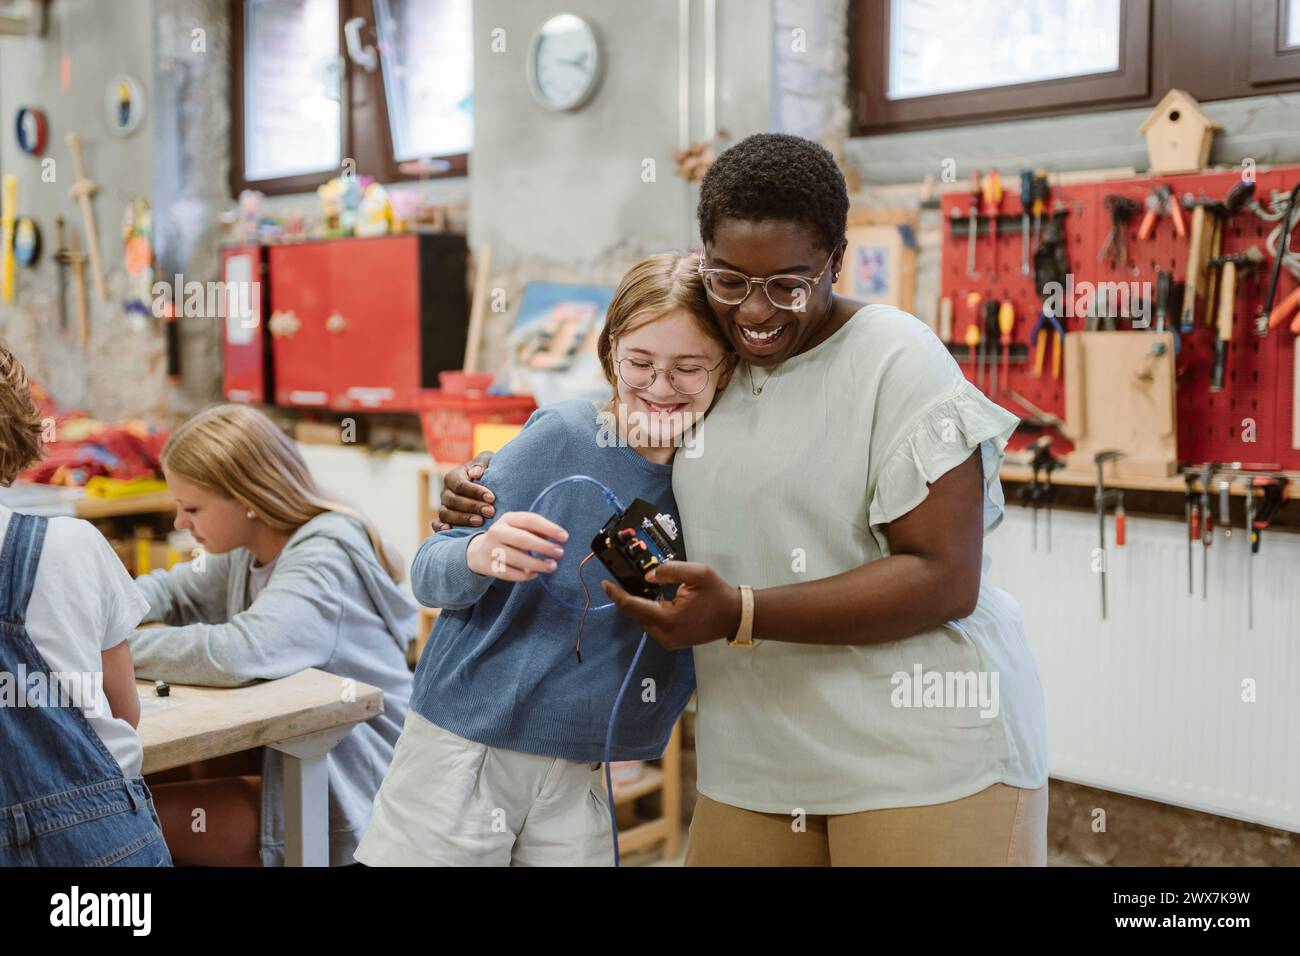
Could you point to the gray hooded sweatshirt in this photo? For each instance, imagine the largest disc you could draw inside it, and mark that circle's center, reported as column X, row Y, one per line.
column 328, row 604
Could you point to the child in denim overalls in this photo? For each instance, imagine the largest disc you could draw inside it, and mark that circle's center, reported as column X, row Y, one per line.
column 65, row 799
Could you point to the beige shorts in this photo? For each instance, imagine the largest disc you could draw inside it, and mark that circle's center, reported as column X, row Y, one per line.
column 999, row 826
column 448, row 801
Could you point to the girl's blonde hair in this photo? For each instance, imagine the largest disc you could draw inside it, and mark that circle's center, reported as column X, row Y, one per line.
column 20, row 420
column 238, row 453
column 653, row 287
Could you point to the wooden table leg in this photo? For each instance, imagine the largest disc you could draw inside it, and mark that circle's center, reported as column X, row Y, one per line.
column 306, row 796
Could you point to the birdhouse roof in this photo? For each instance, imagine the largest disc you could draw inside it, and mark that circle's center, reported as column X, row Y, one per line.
column 1175, row 99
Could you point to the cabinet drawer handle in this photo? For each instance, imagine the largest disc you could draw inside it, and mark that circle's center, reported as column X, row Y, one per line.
column 336, row 323
column 284, row 324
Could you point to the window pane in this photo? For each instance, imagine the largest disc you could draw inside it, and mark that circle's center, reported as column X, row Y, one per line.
column 942, row 46
column 428, row 58
column 1292, row 37
column 292, row 73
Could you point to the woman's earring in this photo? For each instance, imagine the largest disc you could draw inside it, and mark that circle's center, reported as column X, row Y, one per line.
column 250, row 514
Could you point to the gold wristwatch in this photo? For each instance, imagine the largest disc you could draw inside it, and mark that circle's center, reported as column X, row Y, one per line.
column 744, row 636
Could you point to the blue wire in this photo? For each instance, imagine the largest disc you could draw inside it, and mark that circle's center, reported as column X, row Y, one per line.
column 611, row 498
column 618, row 506
column 609, row 744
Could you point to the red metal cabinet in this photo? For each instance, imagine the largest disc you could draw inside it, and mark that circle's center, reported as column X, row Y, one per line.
column 246, row 366
column 300, row 294
column 365, row 324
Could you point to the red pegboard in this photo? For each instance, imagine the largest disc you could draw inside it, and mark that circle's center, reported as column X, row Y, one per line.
column 1258, row 380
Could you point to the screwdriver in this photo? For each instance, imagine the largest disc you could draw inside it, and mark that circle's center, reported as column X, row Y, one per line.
column 1026, row 201
column 1006, row 322
column 1041, row 191
column 974, row 212
column 973, row 329
column 990, row 332
column 991, row 190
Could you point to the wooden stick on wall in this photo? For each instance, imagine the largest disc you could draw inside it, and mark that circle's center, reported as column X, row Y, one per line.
column 478, row 308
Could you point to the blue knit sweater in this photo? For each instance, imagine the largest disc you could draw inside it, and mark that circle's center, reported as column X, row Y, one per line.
column 500, row 667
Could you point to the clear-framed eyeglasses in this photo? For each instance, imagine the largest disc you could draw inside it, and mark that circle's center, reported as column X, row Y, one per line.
column 790, row 292
column 685, row 379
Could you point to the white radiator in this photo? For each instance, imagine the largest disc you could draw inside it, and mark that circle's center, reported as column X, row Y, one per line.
column 1149, row 702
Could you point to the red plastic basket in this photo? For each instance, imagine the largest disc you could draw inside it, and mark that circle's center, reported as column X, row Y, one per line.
column 448, row 420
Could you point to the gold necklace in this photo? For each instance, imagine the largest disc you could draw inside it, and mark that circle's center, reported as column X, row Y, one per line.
column 756, row 391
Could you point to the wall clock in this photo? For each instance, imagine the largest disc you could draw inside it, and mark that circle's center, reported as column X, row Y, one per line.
column 565, row 63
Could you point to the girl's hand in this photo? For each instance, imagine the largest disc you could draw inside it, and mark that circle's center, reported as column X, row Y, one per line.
column 464, row 503
column 502, row 551
column 704, row 609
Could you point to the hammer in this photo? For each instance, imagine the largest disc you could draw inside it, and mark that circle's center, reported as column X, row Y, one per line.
column 1252, row 258
column 1206, row 240
column 81, row 191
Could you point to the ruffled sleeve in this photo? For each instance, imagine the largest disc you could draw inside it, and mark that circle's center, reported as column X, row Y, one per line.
column 942, row 439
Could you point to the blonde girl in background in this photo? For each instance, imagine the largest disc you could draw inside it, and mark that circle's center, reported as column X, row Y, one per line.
column 287, row 579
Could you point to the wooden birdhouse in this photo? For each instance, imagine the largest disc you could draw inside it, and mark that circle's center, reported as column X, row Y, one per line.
column 1178, row 135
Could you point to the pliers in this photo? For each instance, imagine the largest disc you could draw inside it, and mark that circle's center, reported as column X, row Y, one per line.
column 1161, row 202
column 1049, row 321
column 1284, row 310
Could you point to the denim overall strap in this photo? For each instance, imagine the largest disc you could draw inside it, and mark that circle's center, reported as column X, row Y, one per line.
column 63, row 797
column 19, row 557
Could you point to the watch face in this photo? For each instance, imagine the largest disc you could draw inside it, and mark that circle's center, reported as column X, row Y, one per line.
column 564, row 62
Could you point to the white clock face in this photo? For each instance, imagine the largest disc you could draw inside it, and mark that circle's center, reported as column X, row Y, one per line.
column 564, row 63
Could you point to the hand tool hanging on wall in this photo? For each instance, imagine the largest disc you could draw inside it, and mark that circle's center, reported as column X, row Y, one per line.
column 1114, row 252
column 1040, row 492
column 1051, row 261
column 1101, row 498
column 1207, row 529
column 1042, row 191
column 1246, row 261
column 1160, row 203
column 974, row 213
column 990, row 334
column 81, row 191
column 1047, row 322
column 61, row 258
column 77, row 259
column 944, row 327
column 1237, row 197
column 1026, row 202
column 991, row 191
column 1198, row 256
column 8, row 214
column 1006, row 323
column 972, row 338
column 1264, row 319
column 1274, row 489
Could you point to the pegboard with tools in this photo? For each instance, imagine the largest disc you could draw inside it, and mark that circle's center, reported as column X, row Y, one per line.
column 1249, row 415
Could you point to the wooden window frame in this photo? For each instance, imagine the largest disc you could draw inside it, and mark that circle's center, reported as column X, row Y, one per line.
column 366, row 136
column 1270, row 62
column 1213, row 49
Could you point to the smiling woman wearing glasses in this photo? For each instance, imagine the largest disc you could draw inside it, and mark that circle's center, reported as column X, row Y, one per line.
column 836, row 519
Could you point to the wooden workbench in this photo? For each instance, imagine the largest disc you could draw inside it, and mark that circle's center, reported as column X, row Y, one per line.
column 302, row 717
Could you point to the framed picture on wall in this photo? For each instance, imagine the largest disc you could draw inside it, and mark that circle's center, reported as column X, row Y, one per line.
column 880, row 262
